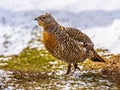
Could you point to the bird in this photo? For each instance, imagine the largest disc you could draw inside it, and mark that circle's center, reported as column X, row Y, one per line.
column 66, row 43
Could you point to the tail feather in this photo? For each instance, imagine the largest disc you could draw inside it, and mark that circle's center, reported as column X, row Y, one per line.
column 94, row 56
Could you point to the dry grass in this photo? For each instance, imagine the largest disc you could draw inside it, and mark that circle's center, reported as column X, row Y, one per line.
column 112, row 69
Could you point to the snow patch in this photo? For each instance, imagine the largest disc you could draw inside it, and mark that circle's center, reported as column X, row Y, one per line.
column 108, row 37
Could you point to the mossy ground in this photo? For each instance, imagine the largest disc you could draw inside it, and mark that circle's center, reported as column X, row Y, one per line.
column 31, row 60
column 33, row 67
column 35, row 60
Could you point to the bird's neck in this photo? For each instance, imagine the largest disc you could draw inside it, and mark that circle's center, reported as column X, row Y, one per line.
column 53, row 28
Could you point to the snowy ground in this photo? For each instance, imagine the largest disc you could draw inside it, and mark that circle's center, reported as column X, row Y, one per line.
column 100, row 19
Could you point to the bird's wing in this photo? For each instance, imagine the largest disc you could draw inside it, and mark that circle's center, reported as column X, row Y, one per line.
column 78, row 36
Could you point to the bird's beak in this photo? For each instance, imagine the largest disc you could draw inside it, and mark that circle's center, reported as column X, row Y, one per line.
column 35, row 19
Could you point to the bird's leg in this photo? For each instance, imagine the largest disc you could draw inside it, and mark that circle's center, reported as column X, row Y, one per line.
column 69, row 69
column 76, row 67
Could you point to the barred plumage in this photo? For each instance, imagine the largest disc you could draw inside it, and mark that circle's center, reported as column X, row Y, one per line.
column 65, row 43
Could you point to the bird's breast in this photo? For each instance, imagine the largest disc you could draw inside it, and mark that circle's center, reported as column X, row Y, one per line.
column 49, row 40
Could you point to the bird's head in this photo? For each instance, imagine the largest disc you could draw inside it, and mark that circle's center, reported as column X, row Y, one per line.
column 45, row 20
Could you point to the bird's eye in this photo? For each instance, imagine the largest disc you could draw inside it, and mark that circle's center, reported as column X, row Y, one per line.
column 43, row 17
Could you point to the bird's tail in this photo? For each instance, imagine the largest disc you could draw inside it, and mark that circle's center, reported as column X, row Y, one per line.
column 94, row 56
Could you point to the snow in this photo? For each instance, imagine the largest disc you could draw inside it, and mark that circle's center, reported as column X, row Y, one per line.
column 12, row 41
column 107, row 38
column 99, row 19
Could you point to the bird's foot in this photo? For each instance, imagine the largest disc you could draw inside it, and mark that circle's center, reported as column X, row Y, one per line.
column 75, row 67
column 69, row 69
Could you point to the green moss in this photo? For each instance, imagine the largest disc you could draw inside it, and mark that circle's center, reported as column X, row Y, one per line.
column 31, row 60
column 35, row 60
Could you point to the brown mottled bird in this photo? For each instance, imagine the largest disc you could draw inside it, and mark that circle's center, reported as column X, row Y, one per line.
column 66, row 43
